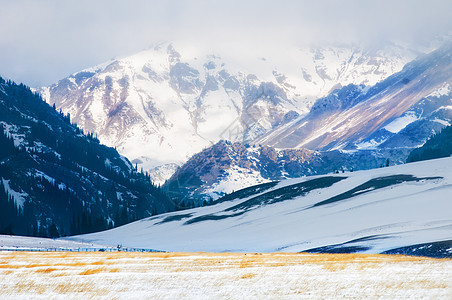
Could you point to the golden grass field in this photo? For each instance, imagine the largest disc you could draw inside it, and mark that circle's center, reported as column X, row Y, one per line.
column 120, row 275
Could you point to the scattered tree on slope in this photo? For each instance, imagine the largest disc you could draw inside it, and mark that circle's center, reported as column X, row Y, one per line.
column 439, row 145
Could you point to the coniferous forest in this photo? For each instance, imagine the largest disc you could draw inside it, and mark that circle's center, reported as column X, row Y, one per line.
column 439, row 145
column 55, row 180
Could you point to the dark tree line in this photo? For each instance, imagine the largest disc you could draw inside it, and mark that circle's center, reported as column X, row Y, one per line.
column 71, row 183
column 10, row 212
column 437, row 146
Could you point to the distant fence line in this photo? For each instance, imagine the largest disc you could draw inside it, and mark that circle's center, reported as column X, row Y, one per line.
column 122, row 249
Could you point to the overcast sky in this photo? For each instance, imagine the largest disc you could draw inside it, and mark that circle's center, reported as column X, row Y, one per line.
column 42, row 41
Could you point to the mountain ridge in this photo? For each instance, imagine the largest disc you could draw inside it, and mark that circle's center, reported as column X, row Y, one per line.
column 55, row 180
column 353, row 128
column 349, row 115
column 199, row 98
column 226, row 167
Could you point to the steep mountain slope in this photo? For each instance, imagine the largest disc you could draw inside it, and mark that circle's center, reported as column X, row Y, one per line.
column 338, row 122
column 225, row 167
column 439, row 145
column 54, row 180
column 164, row 104
column 401, row 111
column 367, row 211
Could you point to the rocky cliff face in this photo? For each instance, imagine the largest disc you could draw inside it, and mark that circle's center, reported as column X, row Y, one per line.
column 164, row 104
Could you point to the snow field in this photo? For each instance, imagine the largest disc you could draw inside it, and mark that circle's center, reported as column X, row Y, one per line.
column 386, row 218
column 25, row 243
column 219, row 276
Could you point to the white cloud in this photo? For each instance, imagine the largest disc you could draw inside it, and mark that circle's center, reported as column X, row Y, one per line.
column 43, row 41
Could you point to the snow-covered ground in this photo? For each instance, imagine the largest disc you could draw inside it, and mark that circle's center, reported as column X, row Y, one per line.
column 236, row 178
column 11, row 242
column 221, row 276
column 368, row 211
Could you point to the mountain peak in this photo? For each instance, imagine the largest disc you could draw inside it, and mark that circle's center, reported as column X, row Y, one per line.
column 164, row 104
column 355, row 114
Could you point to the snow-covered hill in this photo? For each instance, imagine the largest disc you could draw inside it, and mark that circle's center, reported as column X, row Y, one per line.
column 164, row 104
column 366, row 211
column 226, row 167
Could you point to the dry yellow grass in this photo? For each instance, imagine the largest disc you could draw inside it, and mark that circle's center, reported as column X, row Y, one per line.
column 247, row 276
column 266, row 275
column 93, row 271
column 46, row 270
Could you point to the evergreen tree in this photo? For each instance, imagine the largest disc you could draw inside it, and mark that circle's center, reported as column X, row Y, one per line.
column 63, row 173
column 439, row 145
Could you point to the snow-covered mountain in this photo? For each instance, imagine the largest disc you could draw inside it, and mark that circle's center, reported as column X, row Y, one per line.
column 366, row 211
column 400, row 111
column 162, row 105
column 385, row 121
column 226, row 167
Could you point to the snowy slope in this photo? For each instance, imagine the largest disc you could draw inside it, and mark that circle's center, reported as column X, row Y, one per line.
column 400, row 111
column 386, row 120
column 26, row 243
column 164, row 104
column 369, row 211
column 226, row 167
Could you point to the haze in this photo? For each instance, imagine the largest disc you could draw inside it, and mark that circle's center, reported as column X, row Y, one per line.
column 44, row 41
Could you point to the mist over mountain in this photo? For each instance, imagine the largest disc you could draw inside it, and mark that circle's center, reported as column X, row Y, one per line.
column 90, row 32
column 162, row 105
column 225, row 126
column 353, row 128
column 400, row 111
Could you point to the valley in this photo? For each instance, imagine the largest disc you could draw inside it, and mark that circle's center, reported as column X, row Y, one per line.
column 198, row 149
column 370, row 211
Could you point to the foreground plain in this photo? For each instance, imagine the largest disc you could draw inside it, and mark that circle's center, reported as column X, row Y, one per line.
column 44, row 275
